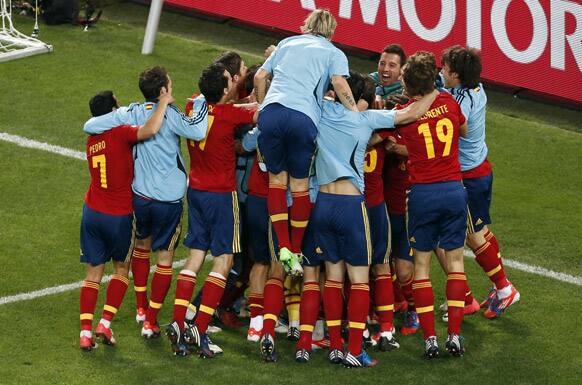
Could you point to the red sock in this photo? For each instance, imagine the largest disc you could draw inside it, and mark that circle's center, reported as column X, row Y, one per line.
column 256, row 304
column 184, row 288
column 357, row 312
column 407, row 292
column 88, row 300
column 487, row 258
column 160, row 285
column 273, row 303
column 211, row 293
column 424, row 301
column 456, row 289
column 468, row 294
column 279, row 213
column 396, row 289
column 140, row 268
column 300, row 210
column 490, row 237
column 115, row 293
column 333, row 305
column 384, row 301
column 308, row 310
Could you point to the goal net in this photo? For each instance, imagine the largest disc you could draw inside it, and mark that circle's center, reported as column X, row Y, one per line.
column 13, row 44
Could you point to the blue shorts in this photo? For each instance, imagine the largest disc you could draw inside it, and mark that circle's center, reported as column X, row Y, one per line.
column 287, row 140
column 437, row 216
column 262, row 238
column 342, row 229
column 479, row 191
column 380, row 229
column 400, row 246
column 213, row 222
column 312, row 254
column 160, row 220
column 105, row 237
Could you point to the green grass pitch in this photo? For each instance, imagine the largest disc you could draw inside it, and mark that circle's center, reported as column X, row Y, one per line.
column 536, row 151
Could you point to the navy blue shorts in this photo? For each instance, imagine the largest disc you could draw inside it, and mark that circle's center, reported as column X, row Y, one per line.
column 312, row 254
column 105, row 237
column 262, row 238
column 380, row 229
column 160, row 220
column 287, row 140
column 400, row 246
column 213, row 222
column 342, row 230
column 437, row 215
column 479, row 191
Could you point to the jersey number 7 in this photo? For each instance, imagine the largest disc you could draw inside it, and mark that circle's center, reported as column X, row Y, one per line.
column 101, row 162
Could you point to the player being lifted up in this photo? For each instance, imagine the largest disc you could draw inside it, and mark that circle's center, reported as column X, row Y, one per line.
column 107, row 226
column 213, row 212
column 437, row 201
column 158, row 188
column 302, row 68
column 461, row 72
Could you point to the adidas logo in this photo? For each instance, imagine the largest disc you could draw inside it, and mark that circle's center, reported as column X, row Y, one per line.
column 479, row 221
column 412, row 239
column 318, row 250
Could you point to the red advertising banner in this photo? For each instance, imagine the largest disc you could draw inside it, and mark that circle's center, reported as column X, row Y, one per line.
column 529, row 44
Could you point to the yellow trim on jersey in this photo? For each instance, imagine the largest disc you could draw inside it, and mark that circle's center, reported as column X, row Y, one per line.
column 279, row 217
column 270, row 316
column 495, row 270
column 299, row 223
column 129, row 254
column 86, row 316
column 452, row 303
column 236, row 248
column 206, row 309
column 306, row 328
column 357, row 325
column 385, row 308
column 470, row 226
column 271, row 242
column 140, row 289
column 175, row 237
column 425, row 309
column 155, row 305
column 181, row 302
column 334, row 322
column 367, row 232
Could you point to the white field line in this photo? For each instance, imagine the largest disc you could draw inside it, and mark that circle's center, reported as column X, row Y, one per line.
column 29, row 143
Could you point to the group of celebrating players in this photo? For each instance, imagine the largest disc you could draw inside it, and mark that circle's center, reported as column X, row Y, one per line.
column 353, row 182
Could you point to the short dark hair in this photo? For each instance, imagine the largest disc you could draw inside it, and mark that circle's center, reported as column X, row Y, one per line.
column 231, row 61
column 369, row 91
column 419, row 74
column 250, row 79
column 213, row 82
column 152, row 80
column 396, row 49
column 465, row 62
column 102, row 103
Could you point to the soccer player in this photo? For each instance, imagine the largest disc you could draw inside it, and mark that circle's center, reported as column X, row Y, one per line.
column 437, row 201
column 302, row 67
column 158, row 189
column 340, row 219
column 389, row 89
column 461, row 72
column 107, row 230
column 213, row 212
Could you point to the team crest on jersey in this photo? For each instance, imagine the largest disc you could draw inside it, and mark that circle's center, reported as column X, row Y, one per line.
column 149, row 106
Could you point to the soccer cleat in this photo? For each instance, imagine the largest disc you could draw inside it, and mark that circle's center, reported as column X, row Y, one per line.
column 387, row 342
column 499, row 305
column 400, row 307
column 213, row 329
column 335, row 356
column 471, row 308
column 431, row 349
column 140, row 315
column 320, row 344
column 446, row 316
column 149, row 330
column 87, row 343
column 214, row 347
column 267, row 346
column 204, row 350
column 492, row 294
column 293, row 334
column 302, row 356
column 176, row 337
column 191, row 334
column 281, row 326
column 291, row 262
column 454, row 345
column 362, row 360
column 410, row 324
column 368, row 341
column 105, row 334
column 444, row 306
column 254, row 335
column 229, row 319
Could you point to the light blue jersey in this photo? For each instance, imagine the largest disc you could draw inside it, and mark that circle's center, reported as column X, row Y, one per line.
column 302, row 67
column 159, row 171
column 342, row 140
column 472, row 148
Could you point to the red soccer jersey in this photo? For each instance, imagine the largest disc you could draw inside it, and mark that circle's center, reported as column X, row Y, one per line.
column 110, row 160
column 213, row 159
column 373, row 184
column 433, row 142
column 396, row 181
column 258, row 181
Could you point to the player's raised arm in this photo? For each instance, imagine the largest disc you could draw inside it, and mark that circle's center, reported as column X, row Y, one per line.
column 153, row 124
column 415, row 111
column 343, row 92
column 193, row 127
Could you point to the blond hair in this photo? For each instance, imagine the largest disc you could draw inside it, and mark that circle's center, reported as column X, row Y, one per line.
column 320, row 23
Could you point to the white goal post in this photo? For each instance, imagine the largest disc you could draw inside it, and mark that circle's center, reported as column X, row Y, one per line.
column 14, row 44
column 152, row 26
